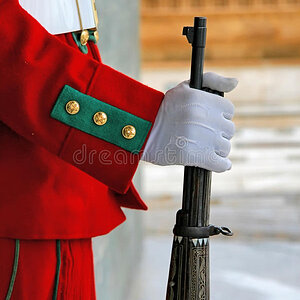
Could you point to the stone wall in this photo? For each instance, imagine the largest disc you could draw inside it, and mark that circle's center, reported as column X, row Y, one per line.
column 237, row 32
column 119, row 34
column 117, row 254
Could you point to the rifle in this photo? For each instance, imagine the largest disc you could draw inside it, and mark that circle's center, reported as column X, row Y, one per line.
column 189, row 267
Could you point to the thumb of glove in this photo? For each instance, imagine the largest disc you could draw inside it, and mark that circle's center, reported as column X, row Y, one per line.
column 219, row 83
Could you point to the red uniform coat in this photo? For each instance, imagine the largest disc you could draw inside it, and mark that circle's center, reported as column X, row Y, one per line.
column 45, row 193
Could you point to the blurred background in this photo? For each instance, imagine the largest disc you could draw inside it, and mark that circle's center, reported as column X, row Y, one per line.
column 257, row 41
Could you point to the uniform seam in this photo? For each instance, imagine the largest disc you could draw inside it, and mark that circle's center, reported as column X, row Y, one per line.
column 58, row 267
column 64, row 141
column 14, row 271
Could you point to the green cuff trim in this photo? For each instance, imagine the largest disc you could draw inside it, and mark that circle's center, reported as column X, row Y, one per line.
column 111, row 131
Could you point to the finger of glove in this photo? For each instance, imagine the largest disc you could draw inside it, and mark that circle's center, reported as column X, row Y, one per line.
column 212, row 101
column 228, row 129
column 222, row 146
column 209, row 116
column 219, row 83
column 220, row 124
column 190, row 95
column 218, row 164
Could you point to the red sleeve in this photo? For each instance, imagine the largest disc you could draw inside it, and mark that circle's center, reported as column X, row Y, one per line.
column 34, row 68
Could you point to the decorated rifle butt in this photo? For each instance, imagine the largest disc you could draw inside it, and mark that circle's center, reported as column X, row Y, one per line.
column 189, row 269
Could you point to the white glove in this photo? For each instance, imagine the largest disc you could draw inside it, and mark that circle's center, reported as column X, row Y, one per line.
column 193, row 127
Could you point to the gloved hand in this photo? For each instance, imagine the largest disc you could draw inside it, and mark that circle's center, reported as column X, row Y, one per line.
column 193, row 127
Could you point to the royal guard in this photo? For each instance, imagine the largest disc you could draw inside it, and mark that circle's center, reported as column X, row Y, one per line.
column 59, row 100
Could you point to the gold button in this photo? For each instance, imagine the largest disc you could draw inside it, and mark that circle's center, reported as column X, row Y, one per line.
column 72, row 107
column 96, row 35
column 84, row 37
column 128, row 132
column 100, row 118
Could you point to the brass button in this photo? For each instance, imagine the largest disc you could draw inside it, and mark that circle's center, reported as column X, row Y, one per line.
column 96, row 35
column 128, row 132
column 72, row 107
column 84, row 37
column 100, row 118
